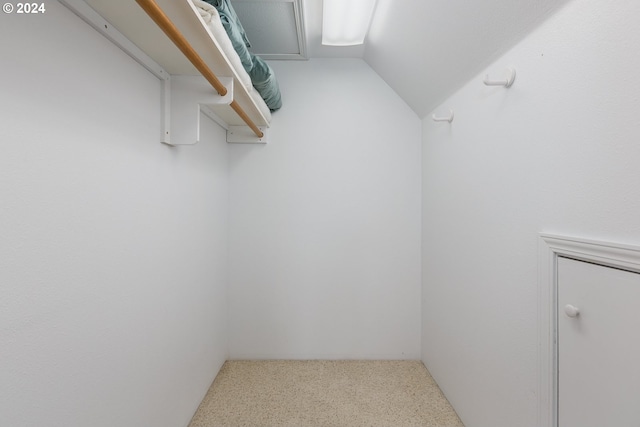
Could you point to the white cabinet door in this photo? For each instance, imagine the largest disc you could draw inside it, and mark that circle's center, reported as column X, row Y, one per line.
column 598, row 346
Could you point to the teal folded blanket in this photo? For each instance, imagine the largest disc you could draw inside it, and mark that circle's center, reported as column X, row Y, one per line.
column 262, row 76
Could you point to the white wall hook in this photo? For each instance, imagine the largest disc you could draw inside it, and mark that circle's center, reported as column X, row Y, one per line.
column 444, row 119
column 511, row 76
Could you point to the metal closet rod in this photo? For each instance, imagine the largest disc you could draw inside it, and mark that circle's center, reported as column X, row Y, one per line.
column 162, row 20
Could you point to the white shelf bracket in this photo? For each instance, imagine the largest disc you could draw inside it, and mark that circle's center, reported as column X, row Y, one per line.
column 183, row 99
column 165, row 107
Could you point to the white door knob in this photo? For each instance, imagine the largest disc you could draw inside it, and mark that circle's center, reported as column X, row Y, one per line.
column 571, row 311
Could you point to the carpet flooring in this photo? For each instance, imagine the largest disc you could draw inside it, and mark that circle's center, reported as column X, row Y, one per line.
column 319, row 393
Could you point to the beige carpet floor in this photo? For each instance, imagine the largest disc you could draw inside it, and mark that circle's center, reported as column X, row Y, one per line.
column 321, row 393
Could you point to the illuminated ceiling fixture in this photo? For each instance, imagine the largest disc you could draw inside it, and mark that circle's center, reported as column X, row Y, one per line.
column 346, row 22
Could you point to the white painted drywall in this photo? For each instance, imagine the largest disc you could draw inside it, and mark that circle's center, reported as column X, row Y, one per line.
column 428, row 49
column 559, row 153
column 113, row 247
column 325, row 221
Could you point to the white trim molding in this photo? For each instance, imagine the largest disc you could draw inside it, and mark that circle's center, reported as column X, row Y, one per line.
column 550, row 247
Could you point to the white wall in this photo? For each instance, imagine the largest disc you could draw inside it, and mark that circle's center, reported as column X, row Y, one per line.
column 325, row 221
column 113, row 247
column 558, row 152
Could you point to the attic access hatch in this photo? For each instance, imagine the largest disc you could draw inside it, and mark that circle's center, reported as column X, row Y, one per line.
column 275, row 28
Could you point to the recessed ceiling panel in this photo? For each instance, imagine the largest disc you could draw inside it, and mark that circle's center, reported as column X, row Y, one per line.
column 274, row 28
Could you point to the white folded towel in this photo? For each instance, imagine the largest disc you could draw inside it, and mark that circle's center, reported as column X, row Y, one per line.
column 207, row 11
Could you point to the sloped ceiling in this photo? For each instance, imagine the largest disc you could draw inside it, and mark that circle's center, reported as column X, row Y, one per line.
column 427, row 49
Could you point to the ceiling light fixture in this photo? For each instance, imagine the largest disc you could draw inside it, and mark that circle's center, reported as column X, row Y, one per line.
column 346, row 22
